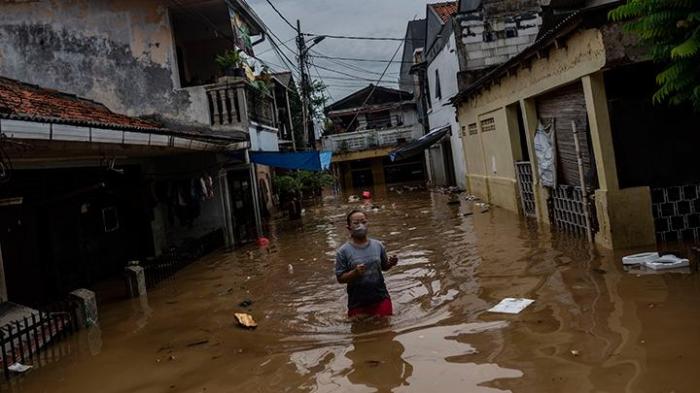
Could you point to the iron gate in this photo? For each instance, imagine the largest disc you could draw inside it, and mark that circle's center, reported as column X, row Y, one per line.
column 676, row 211
column 568, row 208
column 523, row 171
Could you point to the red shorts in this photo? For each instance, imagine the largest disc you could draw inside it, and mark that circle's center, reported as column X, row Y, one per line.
column 382, row 309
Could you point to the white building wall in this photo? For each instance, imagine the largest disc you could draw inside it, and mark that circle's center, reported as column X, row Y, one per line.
column 443, row 113
column 263, row 138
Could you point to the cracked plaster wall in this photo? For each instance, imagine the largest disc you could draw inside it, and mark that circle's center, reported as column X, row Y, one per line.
column 119, row 53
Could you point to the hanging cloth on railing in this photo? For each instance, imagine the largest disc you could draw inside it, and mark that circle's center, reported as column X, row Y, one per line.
column 545, row 150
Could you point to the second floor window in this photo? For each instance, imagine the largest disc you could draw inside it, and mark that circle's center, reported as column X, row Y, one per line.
column 438, row 89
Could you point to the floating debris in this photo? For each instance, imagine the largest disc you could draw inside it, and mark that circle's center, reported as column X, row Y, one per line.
column 511, row 305
column 353, row 198
column 245, row 320
column 19, row 368
column 412, row 228
column 194, row 344
column 246, row 303
column 290, row 269
column 575, row 352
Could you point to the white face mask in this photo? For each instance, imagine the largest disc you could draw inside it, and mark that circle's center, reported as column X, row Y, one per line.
column 359, row 231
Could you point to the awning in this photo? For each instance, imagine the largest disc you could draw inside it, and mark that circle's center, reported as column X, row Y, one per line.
column 307, row 160
column 416, row 147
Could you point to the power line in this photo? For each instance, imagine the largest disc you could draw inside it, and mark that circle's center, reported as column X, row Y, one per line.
column 356, row 77
column 374, row 87
column 322, row 81
column 354, row 67
column 222, row 33
column 349, row 37
column 271, row 48
column 281, row 16
column 365, row 60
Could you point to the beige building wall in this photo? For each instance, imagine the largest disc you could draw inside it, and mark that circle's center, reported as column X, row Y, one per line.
column 624, row 215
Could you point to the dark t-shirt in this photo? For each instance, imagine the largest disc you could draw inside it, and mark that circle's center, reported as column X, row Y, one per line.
column 369, row 288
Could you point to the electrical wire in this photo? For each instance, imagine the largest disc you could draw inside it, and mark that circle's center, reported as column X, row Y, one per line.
column 271, row 48
column 282, row 16
column 374, row 86
column 347, row 37
column 363, row 60
column 355, row 68
column 346, row 74
column 322, row 81
column 215, row 28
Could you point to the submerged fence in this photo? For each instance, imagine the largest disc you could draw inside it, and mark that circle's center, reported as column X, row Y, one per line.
column 159, row 269
column 23, row 340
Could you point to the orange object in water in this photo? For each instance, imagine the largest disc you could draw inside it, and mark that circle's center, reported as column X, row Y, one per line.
column 366, row 194
column 263, row 242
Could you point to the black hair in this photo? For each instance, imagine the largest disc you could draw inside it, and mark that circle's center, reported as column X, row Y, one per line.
column 353, row 211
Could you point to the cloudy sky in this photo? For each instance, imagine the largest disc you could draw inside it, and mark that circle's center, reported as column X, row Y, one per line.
column 374, row 18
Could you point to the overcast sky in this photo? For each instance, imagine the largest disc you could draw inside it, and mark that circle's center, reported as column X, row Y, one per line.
column 378, row 18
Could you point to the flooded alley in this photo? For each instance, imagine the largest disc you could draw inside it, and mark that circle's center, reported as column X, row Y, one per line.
column 593, row 327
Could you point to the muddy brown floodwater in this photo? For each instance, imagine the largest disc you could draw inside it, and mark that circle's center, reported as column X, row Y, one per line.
column 594, row 327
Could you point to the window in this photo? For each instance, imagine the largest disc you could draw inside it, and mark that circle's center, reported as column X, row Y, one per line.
column 377, row 120
column 488, row 125
column 197, row 43
column 472, row 129
column 438, row 89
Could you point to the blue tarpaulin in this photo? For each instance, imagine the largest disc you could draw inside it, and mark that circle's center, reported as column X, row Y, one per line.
column 307, row 160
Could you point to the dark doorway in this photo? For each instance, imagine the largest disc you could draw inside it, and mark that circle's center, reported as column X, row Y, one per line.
column 362, row 178
column 448, row 163
column 242, row 206
column 410, row 170
column 524, row 153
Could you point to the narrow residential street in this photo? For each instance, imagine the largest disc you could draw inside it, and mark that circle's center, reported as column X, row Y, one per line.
column 592, row 327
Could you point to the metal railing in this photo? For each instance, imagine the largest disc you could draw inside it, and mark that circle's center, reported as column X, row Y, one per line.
column 24, row 340
column 523, row 171
column 157, row 270
column 370, row 139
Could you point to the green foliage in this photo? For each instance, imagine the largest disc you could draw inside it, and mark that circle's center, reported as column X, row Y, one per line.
column 230, row 59
column 296, row 183
column 670, row 29
column 318, row 97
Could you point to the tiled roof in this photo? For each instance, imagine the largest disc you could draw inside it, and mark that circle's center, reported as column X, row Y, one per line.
column 30, row 102
column 445, row 10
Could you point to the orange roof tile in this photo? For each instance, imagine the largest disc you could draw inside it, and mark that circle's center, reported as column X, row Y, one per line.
column 30, row 102
column 445, row 10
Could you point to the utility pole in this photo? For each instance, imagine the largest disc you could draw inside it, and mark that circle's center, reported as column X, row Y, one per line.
column 307, row 108
column 305, row 101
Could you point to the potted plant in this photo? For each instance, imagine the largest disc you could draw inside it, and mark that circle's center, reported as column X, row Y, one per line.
column 231, row 63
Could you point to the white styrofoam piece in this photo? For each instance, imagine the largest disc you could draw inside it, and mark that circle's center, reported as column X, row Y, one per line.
column 511, row 305
column 667, row 262
column 18, row 367
column 638, row 259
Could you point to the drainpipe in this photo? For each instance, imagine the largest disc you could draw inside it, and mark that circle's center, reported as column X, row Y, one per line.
column 256, row 195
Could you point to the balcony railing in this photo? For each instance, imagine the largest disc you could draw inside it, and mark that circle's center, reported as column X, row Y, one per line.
column 371, row 139
column 233, row 104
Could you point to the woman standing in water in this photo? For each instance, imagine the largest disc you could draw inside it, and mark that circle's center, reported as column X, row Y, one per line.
column 359, row 263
